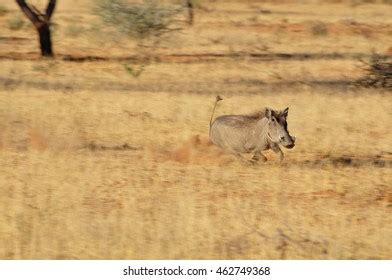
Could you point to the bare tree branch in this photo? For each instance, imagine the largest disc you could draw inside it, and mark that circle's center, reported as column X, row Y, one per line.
column 37, row 12
column 50, row 9
column 28, row 12
column 34, row 14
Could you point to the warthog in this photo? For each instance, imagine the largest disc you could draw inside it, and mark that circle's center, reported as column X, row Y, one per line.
column 254, row 133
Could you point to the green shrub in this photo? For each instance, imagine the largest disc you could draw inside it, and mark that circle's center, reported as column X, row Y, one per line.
column 3, row 10
column 16, row 23
column 134, row 71
column 139, row 20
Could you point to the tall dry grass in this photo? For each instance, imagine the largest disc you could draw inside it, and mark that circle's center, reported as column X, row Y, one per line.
column 169, row 194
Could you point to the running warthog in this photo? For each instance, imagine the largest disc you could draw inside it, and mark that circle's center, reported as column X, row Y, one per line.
column 254, row 133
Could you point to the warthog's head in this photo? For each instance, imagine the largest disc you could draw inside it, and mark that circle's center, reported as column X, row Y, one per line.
column 277, row 128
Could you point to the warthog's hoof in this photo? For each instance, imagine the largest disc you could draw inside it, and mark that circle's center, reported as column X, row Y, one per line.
column 259, row 159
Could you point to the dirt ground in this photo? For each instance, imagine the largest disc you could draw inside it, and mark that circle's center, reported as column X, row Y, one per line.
column 96, row 163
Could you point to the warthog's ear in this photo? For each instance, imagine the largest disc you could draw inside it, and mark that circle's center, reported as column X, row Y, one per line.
column 268, row 112
column 285, row 112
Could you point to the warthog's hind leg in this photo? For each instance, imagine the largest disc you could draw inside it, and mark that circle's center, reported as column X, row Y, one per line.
column 242, row 159
column 258, row 156
column 277, row 150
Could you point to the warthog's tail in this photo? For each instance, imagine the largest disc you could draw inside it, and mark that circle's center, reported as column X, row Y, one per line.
column 218, row 98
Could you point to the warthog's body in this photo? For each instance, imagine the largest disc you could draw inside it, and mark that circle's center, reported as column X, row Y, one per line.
column 238, row 134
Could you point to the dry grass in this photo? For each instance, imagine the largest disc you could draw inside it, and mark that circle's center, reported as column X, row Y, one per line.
column 171, row 197
column 95, row 164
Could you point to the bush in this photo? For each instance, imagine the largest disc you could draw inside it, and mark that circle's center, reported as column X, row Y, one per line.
column 139, row 20
column 3, row 10
column 16, row 23
column 133, row 71
column 378, row 74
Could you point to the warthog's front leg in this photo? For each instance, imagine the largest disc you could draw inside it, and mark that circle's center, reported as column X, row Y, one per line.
column 258, row 156
column 277, row 150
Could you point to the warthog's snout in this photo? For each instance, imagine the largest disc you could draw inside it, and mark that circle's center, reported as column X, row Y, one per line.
column 288, row 142
column 291, row 143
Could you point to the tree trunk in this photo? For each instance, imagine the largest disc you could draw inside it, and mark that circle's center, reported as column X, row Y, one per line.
column 45, row 40
column 41, row 22
column 189, row 4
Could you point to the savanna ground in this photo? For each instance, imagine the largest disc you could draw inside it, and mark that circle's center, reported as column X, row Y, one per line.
column 98, row 164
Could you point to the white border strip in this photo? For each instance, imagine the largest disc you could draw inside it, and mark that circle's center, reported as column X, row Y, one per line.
column 278, row 270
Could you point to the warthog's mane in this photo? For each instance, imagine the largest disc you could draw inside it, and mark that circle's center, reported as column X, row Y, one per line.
column 257, row 115
column 245, row 119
